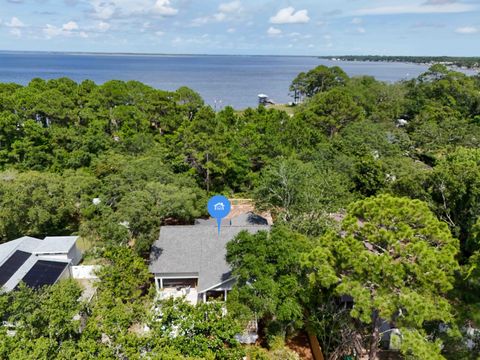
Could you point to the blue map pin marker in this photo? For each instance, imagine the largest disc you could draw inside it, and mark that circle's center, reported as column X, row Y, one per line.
column 219, row 207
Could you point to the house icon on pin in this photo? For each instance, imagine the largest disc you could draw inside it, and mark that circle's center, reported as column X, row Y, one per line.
column 219, row 207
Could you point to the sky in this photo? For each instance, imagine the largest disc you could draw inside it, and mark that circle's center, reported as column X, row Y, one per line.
column 262, row 27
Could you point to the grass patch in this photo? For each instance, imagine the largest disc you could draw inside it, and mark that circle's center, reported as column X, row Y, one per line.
column 290, row 110
column 84, row 244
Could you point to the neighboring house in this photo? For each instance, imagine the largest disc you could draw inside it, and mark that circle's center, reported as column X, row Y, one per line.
column 37, row 262
column 190, row 260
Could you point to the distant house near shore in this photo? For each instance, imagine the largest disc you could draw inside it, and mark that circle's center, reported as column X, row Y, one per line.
column 190, row 260
column 37, row 262
column 263, row 99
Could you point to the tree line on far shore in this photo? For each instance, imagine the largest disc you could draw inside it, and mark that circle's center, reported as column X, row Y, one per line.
column 457, row 61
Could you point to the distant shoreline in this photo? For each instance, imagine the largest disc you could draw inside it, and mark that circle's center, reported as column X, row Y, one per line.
column 90, row 53
column 465, row 63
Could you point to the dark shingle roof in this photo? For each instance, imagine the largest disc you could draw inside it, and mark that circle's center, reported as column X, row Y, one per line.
column 198, row 249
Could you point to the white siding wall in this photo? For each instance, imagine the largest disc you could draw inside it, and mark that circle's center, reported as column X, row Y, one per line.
column 75, row 254
column 84, row 272
column 65, row 274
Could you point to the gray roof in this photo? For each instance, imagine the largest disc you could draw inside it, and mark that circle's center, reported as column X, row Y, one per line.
column 38, row 250
column 198, row 250
column 26, row 243
column 56, row 244
column 8, row 248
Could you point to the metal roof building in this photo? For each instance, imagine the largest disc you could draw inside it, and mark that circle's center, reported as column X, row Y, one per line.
column 37, row 262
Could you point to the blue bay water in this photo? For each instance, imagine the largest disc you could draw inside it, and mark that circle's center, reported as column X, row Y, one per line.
column 221, row 80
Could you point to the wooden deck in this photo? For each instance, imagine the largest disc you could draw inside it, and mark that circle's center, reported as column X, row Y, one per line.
column 243, row 206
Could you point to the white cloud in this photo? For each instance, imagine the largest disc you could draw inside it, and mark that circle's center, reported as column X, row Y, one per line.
column 230, row 7
column 272, row 31
column 290, row 16
column 107, row 9
column 159, row 33
column 17, row 32
column 70, row 26
column 299, row 36
column 467, row 30
column 162, row 7
column 361, row 30
column 231, row 30
column 102, row 9
column 225, row 12
column 220, row 16
column 51, row 31
column 426, row 8
column 15, row 23
column 102, row 26
column 202, row 20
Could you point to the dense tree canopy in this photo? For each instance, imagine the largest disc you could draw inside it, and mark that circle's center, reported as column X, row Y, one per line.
column 114, row 162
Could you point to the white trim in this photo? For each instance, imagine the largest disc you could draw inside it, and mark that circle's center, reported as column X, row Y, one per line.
column 159, row 280
column 43, row 253
column 217, row 285
column 177, row 277
column 62, row 274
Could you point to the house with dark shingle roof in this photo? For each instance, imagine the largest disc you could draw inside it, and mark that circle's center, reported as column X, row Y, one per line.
column 190, row 260
column 37, row 262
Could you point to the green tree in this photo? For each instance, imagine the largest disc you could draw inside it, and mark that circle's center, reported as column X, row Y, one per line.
column 189, row 100
column 317, row 80
column 301, row 195
column 454, row 186
column 125, row 277
column 397, row 261
column 121, row 301
column 208, row 146
column 41, row 319
column 35, row 204
column 269, row 277
column 204, row 331
column 369, row 176
column 331, row 111
column 31, row 150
